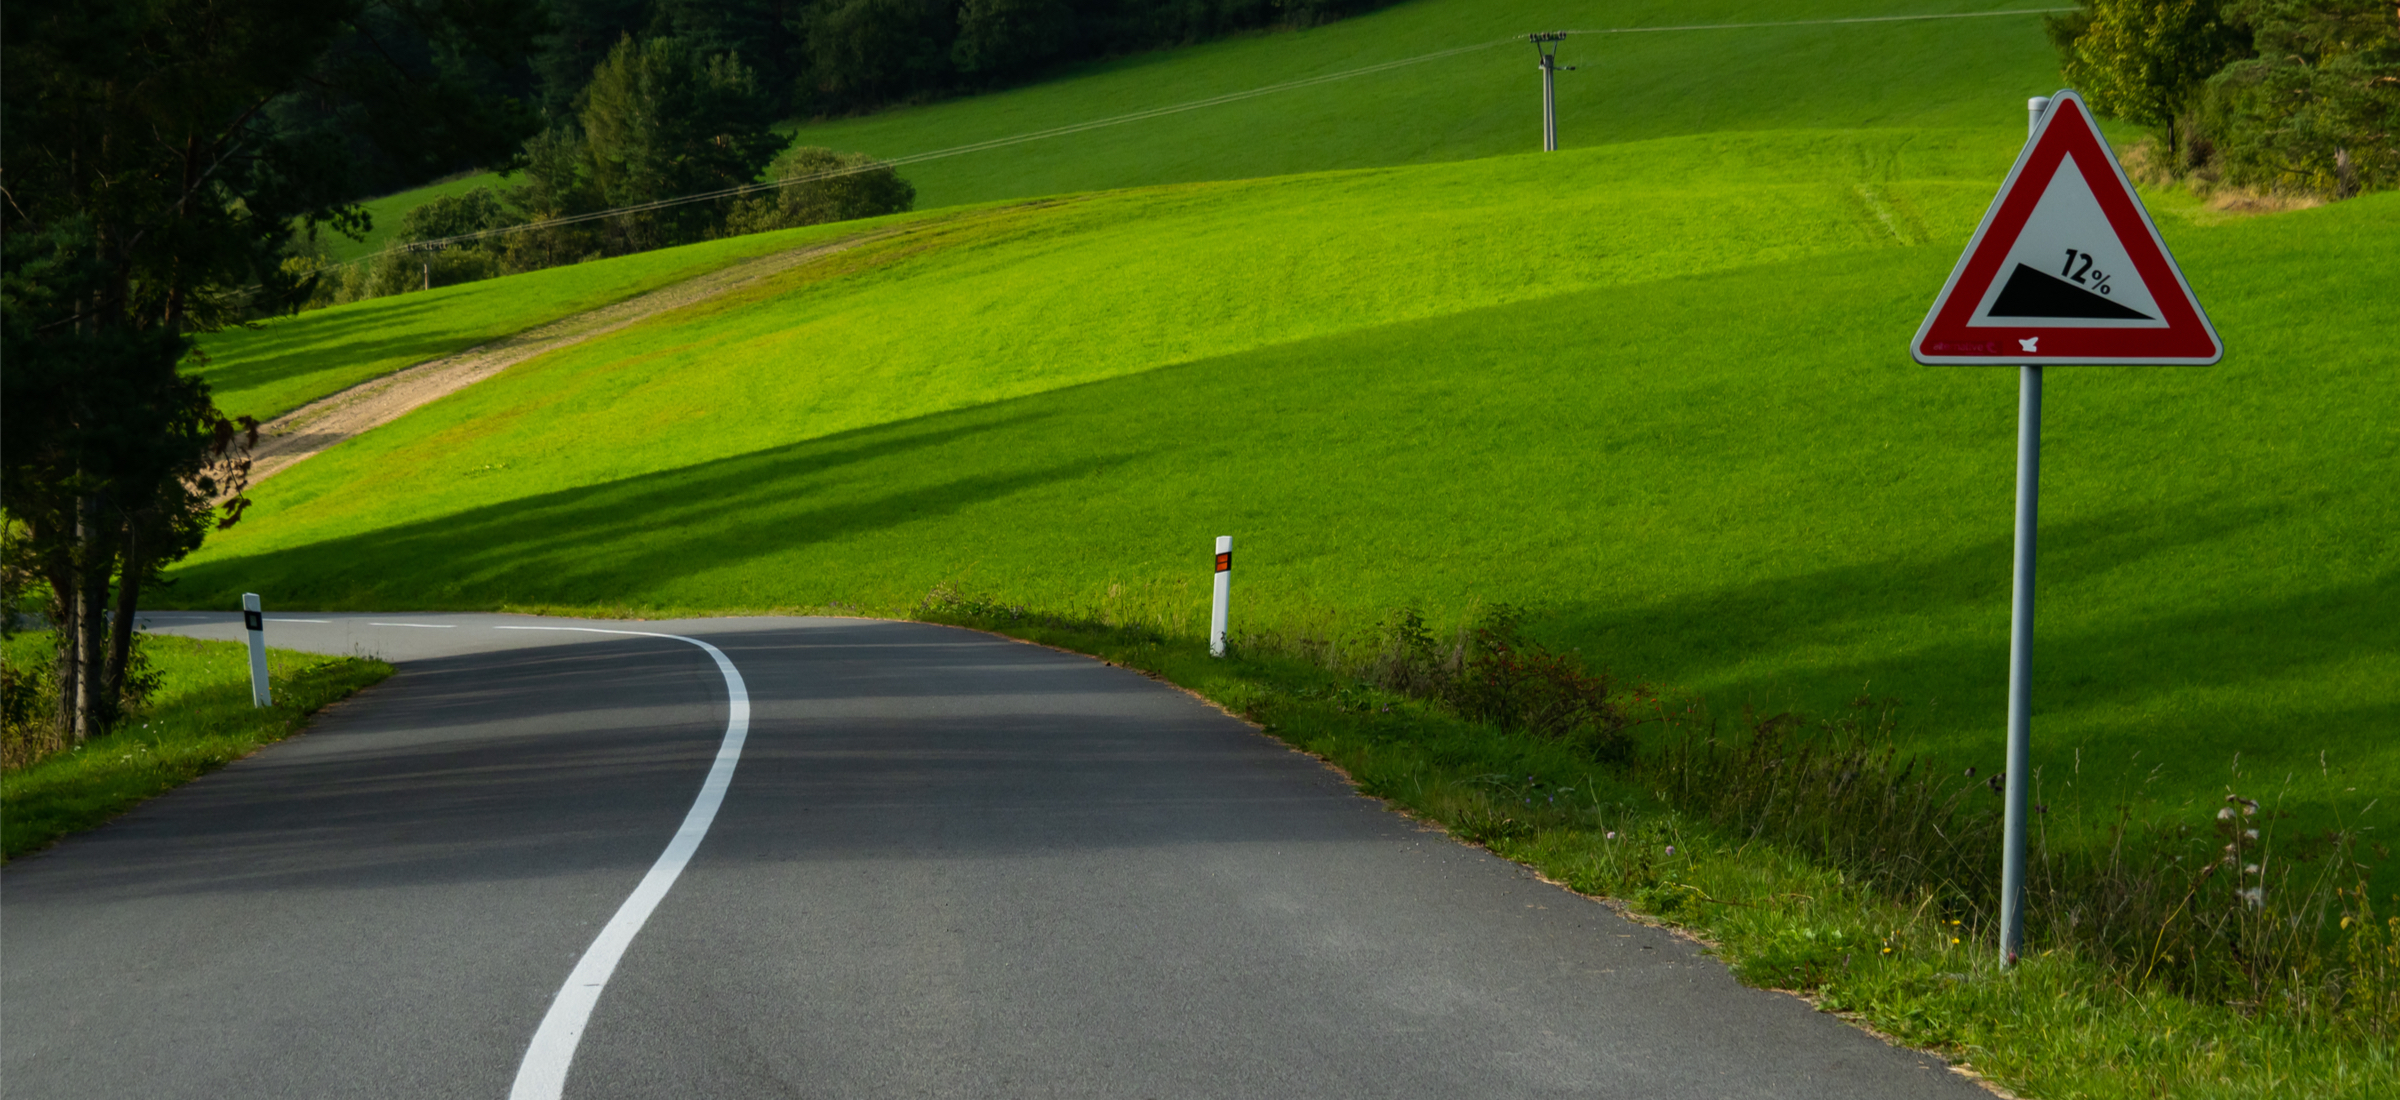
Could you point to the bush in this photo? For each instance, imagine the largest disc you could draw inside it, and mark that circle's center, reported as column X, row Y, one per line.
column 2318, row 109
column 29, row 728
column 2292, row 96
column 821, row 185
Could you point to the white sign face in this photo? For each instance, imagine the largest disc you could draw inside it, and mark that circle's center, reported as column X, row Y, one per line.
column 2068, row 267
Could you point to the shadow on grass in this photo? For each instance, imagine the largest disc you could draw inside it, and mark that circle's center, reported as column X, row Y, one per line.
column 592, row 545
column 2114, row 684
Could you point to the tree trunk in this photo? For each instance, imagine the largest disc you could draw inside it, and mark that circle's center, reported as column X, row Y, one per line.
column 64, row 584
column 120, row 628
column 83, row 621
column 94, row 706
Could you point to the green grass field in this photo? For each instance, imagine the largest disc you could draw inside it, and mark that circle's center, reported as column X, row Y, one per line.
column 1627, row 87
column 1937, row 73
column 282, row 364
column 1944, row 72
column 1668, row 406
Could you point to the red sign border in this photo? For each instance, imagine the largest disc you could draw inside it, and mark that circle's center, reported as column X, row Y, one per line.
column 2066, row 130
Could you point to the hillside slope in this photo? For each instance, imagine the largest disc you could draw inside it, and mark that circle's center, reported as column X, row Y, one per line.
column 1668, row 406
column 1625, row 86
column 275, row 366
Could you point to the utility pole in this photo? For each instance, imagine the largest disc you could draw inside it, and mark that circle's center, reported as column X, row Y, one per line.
column 1545, row 43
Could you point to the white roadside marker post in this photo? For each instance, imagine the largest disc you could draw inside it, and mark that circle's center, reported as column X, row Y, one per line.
column 1216, row 613
column 255, row 624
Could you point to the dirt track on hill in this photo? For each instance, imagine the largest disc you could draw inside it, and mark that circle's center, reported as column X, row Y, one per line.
column 294, row 436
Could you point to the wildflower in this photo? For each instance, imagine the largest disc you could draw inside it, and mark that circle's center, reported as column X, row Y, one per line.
column 1970, row 773
column 2251, row 833
column 2225, row 814
column 1612, row 834
column 1670, row 849
column 2250, row 869
column 1887, row 950
column 1954, row 940
column 2255, row 896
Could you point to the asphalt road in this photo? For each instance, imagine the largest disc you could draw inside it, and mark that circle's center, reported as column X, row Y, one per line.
column 945, row 865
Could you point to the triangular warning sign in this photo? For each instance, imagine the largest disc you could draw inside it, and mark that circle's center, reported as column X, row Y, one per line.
column 2066, row 267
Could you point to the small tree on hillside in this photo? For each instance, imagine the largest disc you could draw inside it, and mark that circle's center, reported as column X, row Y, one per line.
column 659, row 122
column 2319, row 108
column 823, row 186
column 2145, row 61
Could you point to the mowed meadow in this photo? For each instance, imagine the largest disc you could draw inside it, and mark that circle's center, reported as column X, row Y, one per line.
column 1654, row 388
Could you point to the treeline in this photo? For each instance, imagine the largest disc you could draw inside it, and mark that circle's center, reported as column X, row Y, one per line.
column 2294, row 96
column 825, row 57
column 660, row 120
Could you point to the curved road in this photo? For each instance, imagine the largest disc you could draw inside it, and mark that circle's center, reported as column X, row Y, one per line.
column 946, row 864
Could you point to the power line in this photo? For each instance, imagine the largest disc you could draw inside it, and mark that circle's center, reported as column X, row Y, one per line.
column 937, row 154
column 1827, row 22
column 1129, row 117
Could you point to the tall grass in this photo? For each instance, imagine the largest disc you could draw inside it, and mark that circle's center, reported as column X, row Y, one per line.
column 2223, row 904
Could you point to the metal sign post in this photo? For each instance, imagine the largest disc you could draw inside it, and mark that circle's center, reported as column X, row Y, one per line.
column 2020, row 638
column 2117, row 298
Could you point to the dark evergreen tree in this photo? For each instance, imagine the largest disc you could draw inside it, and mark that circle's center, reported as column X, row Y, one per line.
column 2147, row 61
column 2319, row 108
column 158, row 154
column 661, row 121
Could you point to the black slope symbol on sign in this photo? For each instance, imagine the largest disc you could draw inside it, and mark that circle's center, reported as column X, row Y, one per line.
column 2031, row 293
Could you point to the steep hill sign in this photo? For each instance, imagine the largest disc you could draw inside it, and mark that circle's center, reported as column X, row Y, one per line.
column 2066, row 267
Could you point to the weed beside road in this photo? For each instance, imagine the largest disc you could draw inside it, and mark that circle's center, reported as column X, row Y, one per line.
column 2185, row 958
column 198, row 719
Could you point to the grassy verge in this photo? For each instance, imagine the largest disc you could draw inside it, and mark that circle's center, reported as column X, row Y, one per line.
column 198, row 720
column 1921, row 968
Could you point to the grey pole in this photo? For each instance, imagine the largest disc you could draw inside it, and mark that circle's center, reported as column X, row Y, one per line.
column 1545, row 46
column 1549, row 103
column 2020, row 641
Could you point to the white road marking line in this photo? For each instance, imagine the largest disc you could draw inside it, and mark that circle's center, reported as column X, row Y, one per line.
column 299, row 620
column 454, row 626
column 543, row 1073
